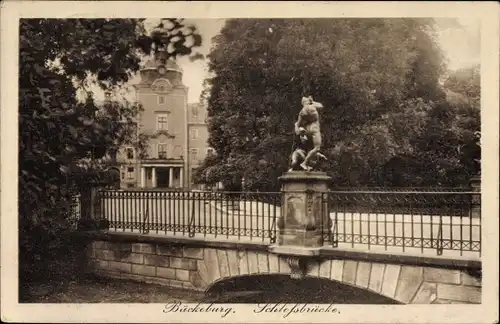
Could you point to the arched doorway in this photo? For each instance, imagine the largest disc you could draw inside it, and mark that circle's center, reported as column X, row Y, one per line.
column 279, row 288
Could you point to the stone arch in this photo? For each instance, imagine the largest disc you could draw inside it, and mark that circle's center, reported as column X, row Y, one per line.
column 403, row 283
column 219, row 264
column 224, row 279
column 222, row 264
column 276, row 287
column 367, row 276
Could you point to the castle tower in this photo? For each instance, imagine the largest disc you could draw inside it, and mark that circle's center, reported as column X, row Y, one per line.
column 164, row 120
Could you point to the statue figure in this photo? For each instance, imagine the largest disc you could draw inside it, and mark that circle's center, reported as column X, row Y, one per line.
column 299, row 154
column 308, row 129
column 303, row 144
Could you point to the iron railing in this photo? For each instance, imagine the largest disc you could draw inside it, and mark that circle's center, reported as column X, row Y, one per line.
column 403, row 189
column 408, row 221
column 75, row 210
column 411, row 221
column 240, row 215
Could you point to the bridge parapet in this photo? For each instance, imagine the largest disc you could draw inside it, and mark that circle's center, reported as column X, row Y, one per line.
column 198, row 264
column 364, row 239
column 426, row 222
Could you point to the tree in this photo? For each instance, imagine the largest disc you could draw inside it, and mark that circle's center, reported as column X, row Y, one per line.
column 366, row 72
column 59, row 57
column 463, row 88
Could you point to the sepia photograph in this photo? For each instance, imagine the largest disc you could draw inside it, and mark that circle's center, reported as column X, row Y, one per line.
column 290, row 166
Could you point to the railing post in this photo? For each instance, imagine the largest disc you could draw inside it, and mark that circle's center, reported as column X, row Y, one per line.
column 95, row 210
column 145, row 216
column 91, row 210
column 85, row 194
column 475, row 184
column 331, row 225
column 272, row 228
column 439, row 241
column 191, row 224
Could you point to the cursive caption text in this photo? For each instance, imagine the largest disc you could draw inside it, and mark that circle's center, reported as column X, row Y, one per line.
column 179, row 307
column 287, row 309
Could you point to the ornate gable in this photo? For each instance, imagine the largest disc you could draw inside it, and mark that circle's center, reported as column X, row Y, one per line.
column 161, row 86
column 162, row 133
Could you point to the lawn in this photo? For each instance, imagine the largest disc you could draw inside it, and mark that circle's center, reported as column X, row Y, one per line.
column 97, row 290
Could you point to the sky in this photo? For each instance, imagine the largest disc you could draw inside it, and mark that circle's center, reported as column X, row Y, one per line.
column 460, row 43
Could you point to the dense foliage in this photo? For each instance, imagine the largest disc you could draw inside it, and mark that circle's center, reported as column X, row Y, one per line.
column 387, row 119
column 58, row 59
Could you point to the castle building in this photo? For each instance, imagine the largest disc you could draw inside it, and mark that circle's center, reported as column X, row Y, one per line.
column 177, row 131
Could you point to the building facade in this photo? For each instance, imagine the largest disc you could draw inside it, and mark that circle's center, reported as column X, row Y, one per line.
column 176, row 131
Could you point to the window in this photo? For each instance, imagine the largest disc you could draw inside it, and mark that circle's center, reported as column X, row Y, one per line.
column 130, row 173
column 162, row 151
column 210, row 151
column 162, row 100
column 162, row 122
column 194, row 154
column 194, row 112
column 193, row 133
column 130, row 153
column 177, row 151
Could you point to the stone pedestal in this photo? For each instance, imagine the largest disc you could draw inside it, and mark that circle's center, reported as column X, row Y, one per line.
column 91, row 210
column 304, row 218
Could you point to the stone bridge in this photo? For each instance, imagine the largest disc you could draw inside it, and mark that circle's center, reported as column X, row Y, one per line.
column 198, row 264
column 298, row 251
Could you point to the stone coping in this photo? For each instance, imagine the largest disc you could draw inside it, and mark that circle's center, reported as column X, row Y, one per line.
column 455, row 262
column 172, row 240
column 304, row 176
column 402, row 258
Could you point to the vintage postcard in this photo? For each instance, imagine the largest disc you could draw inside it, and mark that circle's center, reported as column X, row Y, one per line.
column 249, row 162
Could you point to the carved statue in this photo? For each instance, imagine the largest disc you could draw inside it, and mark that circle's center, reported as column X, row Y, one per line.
column 302, row 145
column 308, row 129
column 299, row 154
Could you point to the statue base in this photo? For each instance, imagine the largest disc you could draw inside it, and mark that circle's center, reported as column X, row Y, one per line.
column 304, row 216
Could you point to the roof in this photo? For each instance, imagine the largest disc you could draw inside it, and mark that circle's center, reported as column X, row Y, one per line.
column 172, row 65
column 196, row 104
column 152, row 64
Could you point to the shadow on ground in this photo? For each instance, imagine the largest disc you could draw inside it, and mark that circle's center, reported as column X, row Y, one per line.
column 283, row 289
